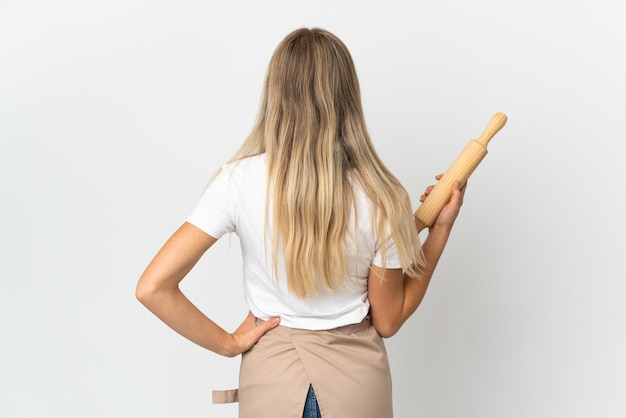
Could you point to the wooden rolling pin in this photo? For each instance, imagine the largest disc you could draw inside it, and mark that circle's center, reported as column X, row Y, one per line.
column 460, row 170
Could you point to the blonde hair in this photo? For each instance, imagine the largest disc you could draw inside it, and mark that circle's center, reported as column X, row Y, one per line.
column 312, row 128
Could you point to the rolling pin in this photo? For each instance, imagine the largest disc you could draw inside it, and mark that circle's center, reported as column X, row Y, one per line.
column 460, row 170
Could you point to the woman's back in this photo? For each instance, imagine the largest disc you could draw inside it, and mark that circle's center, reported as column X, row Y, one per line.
column 235, row 201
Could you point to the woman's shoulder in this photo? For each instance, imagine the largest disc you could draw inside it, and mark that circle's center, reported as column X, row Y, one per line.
column 253, row 165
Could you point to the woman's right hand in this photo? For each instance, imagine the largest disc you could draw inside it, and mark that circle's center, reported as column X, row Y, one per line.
column 248, row 333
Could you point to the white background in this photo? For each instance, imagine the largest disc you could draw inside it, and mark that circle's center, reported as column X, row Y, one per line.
column 114, row 114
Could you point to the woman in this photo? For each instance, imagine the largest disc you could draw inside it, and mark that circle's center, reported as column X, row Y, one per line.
column 329, row 246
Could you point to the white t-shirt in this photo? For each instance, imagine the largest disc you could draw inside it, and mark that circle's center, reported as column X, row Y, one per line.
column 235, row 202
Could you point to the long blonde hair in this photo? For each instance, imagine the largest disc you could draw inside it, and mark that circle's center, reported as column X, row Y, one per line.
column 312, row 128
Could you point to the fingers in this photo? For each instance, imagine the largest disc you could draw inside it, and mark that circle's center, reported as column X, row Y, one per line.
column 426, row 193
column 258, row 331
column 430, row 188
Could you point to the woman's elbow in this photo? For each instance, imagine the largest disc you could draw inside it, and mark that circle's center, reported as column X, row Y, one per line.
column 386, row 329
column 141, row 293
column 145, row 291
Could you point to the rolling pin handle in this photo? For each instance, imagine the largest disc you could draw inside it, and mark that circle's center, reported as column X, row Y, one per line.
column 495, row 124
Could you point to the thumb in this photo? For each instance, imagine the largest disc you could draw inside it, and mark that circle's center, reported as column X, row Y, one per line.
column 260, row 330
column 271, row 323
column 457, row 193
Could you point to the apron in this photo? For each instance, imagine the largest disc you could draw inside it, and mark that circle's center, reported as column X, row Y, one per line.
column 347, row 366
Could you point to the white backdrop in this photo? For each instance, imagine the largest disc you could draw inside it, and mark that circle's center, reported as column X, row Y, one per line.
column 114, row 114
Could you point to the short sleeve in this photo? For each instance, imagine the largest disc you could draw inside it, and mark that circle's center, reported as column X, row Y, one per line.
column 214, row 213
column 392, row 260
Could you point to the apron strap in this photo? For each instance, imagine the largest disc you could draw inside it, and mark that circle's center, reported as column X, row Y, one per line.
column 226, row 396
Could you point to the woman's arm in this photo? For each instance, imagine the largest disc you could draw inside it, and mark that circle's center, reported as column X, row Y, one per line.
column 393, row 296
column 158, row 291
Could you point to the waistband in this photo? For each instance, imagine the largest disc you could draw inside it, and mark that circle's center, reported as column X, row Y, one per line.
column 345, row 329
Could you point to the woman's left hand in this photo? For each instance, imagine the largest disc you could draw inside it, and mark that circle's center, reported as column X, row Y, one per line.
column 450, row 211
